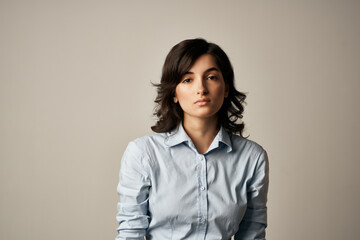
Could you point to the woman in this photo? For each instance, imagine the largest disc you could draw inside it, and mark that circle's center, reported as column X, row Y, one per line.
column 196, row 177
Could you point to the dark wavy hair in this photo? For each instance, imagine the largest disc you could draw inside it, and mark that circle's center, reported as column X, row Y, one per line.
column 179, row 60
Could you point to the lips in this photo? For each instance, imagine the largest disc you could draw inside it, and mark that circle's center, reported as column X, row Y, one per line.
column 202, row 101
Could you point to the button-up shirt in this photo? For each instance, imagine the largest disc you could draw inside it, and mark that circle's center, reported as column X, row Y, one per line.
column 168, row 190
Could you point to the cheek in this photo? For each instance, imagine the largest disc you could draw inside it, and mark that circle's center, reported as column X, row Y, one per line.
column 221, row 93
column 181, row 94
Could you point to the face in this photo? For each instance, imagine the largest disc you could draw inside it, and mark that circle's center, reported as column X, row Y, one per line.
column 202, row 89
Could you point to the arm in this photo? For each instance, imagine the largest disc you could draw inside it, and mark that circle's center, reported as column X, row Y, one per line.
column 255, row 220
column 133, row 189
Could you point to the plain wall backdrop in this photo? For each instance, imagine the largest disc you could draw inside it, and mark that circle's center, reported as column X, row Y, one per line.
column 75, row 88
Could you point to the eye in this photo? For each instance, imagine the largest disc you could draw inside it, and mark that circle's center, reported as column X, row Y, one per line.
column 186, row 80
column 212, row 77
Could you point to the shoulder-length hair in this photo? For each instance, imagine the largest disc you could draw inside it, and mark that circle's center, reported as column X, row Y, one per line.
column 179, row 60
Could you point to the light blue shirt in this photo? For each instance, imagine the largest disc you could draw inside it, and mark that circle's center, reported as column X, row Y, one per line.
column 169, row 191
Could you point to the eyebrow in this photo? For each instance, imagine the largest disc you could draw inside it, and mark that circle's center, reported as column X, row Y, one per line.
column 206, row 71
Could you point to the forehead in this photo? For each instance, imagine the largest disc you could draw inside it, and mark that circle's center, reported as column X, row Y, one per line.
column 203, row 63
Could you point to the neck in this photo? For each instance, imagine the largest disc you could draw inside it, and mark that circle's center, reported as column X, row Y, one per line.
column 201, row 131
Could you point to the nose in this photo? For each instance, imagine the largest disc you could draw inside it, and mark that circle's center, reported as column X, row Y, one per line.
column 201, row 87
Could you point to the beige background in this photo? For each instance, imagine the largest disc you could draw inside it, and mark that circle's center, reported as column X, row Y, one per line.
column 75, row 89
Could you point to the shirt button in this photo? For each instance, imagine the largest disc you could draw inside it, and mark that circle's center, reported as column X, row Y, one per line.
column 201, row 157
column 202, row 188
column 202, row 220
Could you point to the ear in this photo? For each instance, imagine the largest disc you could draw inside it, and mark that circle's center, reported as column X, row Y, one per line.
column 175, row 99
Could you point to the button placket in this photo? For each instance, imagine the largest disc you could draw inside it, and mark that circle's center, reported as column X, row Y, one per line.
column 202, row 184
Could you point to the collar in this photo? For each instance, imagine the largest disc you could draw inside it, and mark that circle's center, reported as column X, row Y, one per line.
column 179, row 136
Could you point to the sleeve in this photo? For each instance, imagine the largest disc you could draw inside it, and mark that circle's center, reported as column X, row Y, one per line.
column 133, row 190
column 255, row 219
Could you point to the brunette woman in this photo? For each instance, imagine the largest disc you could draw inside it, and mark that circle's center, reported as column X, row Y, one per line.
column 197, row 177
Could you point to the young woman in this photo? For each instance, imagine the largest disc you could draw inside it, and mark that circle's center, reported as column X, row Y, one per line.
column 196, row 177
